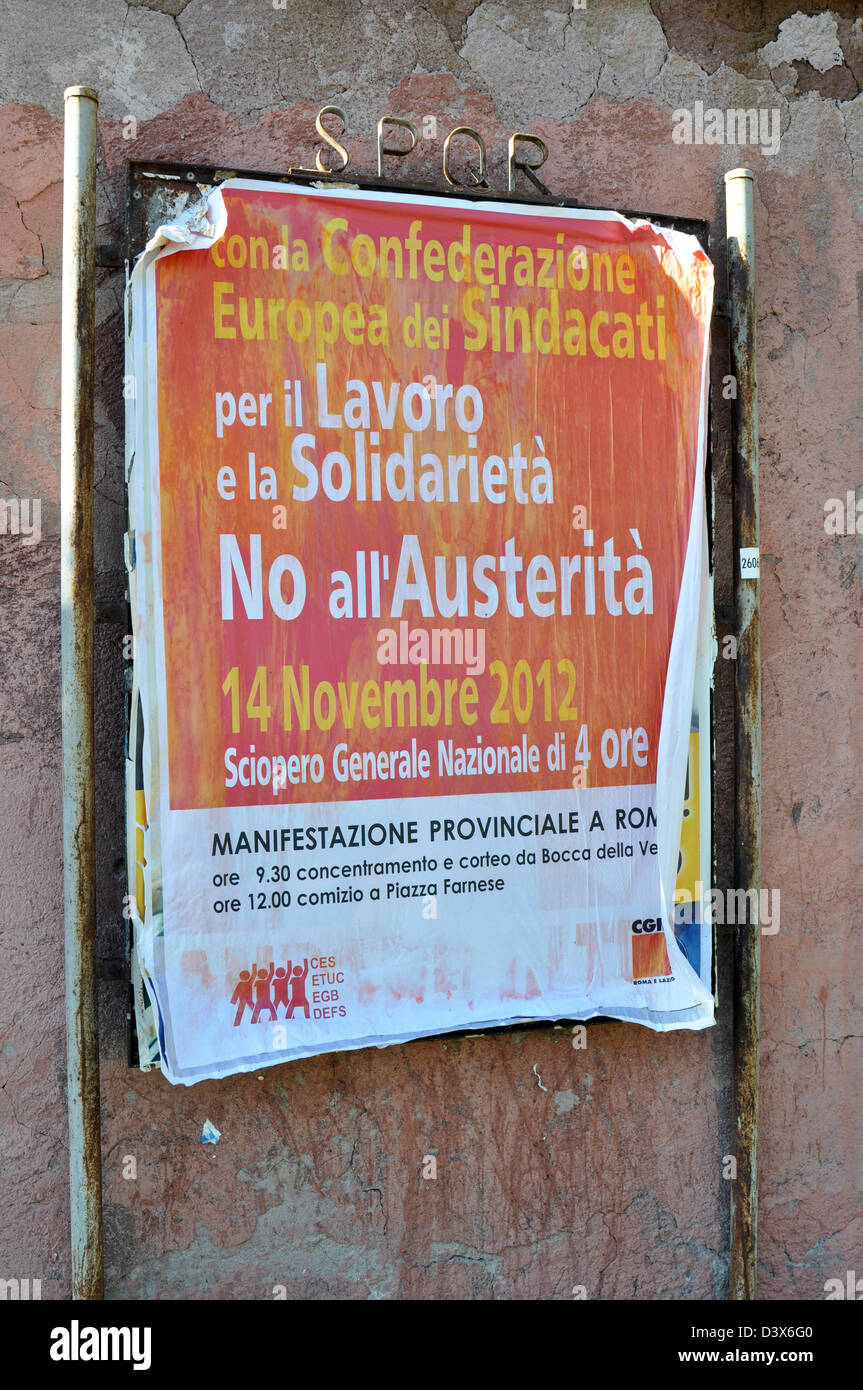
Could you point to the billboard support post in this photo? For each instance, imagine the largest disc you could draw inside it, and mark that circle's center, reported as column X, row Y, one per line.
column 747, row 730
column 76, row 561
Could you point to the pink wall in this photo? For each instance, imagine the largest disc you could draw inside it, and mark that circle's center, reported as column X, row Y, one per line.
column 611, row 1176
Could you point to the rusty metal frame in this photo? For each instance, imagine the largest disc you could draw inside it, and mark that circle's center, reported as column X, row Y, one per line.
column 169, row 179
column 747, row 733
column 165, row 181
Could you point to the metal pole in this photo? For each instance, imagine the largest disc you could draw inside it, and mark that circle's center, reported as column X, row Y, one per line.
column 747, row 731
column 76, row 591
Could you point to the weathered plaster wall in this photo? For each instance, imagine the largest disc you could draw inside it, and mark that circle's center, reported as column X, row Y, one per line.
column 609, row 1176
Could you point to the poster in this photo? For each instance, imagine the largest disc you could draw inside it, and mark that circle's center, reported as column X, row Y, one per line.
column 417, row 561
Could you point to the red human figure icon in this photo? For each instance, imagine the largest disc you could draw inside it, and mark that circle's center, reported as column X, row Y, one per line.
column 280, row 988
column 242, row 995
column 298, row 990
column 262, row 994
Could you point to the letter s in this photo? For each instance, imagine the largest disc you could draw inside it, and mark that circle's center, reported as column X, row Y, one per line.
column 305, row 466
column 474, row 298
column 230, row 754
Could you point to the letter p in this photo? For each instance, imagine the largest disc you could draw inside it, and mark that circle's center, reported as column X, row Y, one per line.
column 226, row 411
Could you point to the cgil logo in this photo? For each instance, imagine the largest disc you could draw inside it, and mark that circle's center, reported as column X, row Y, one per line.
column 76, row 1343
column 647, row 924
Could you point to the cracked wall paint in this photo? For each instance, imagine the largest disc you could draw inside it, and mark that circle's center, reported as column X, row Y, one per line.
column 812, row 39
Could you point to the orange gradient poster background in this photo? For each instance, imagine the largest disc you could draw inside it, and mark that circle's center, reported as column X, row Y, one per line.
column 579, row 342
column 417, row 577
